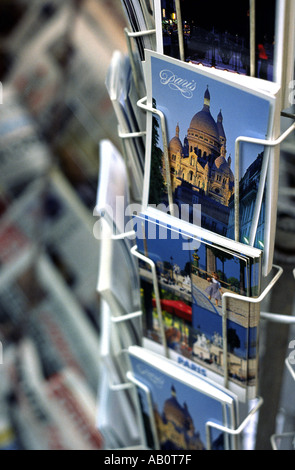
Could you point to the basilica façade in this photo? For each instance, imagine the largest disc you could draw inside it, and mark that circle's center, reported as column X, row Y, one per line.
column 200, row 169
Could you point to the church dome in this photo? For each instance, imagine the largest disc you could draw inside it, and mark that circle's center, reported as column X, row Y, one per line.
column 175, row 145
column 203, row 121
column 222, row 166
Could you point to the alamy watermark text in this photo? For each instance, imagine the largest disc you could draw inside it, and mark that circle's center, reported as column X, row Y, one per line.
column 127, row 219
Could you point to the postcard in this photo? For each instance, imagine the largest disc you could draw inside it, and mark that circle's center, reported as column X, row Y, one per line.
column 113, row 187
column 59, row 318
column 120, row 86
column 201, row 163
column 217, row 35
column 193, row 274
column 176, row 405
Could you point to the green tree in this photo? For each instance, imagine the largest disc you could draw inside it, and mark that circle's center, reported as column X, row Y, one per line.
column 234, row 282
column 157, row 183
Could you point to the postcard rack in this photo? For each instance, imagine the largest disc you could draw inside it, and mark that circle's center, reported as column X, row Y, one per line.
column 209, row 425
column 131, row 382
column 276, row 318
column 276, row 439
column 286, row 437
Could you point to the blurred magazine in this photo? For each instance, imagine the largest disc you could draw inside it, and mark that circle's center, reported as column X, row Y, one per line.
column 49, row 314
column 53, row 413
column 56, row 220
column 33, row 420
column 37, row 77
column 74, row 407
column 37, row 15
column 24, row 156
column 176, row 406
column 206, row 164
column 57, row 76
column 86, row 79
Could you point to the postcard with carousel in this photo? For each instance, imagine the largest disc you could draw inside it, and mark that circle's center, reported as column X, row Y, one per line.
column 193, row 274
column 205, row 113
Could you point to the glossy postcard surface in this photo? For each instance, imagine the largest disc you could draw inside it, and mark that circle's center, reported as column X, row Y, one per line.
column 218, row 35
column 205, row 115
column 181, row 404
column 193, row 275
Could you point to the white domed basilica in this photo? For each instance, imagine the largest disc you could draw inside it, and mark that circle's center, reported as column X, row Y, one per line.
column 200, row 169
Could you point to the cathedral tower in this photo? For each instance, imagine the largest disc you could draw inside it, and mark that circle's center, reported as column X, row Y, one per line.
column 203, row 133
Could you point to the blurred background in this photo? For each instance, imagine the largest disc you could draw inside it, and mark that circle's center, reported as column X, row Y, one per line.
column 54, row 58
column 55, row 110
